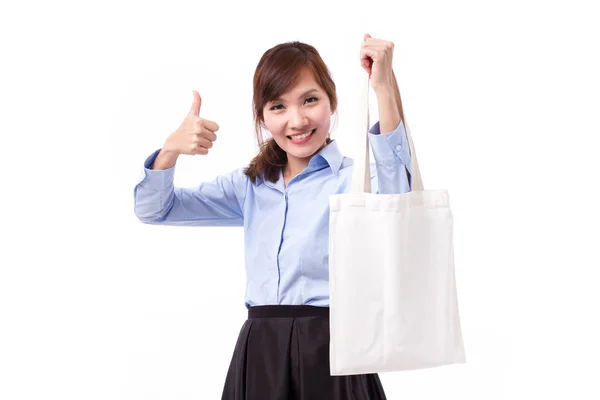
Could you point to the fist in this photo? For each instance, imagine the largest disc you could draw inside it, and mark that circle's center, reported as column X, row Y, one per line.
column 195, row 135
column 376, row 56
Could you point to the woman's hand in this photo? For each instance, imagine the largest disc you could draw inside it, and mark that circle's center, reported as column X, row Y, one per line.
column 195, row 135
column 376, row 58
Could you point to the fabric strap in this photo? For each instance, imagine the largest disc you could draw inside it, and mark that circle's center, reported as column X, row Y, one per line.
column 361, row 179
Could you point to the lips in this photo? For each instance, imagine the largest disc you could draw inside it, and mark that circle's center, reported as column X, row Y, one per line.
column 299, row 136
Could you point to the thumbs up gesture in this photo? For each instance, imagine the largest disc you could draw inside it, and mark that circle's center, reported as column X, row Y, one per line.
column 195, row 135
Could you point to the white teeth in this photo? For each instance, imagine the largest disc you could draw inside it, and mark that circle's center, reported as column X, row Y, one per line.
column 304, row 135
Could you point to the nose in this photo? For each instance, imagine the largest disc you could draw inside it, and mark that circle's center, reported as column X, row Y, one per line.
column 298, row 120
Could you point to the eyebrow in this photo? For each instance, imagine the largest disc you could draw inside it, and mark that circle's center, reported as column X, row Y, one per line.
column 302, row 95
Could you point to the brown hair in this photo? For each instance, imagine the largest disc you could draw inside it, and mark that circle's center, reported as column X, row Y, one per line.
column 276, row 72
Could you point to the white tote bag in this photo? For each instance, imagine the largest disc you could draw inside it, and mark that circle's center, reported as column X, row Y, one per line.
column 393, row 298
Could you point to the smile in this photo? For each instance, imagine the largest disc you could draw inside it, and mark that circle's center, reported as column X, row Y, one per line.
column 301, row 137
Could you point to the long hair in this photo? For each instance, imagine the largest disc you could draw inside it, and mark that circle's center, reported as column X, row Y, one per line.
column 276, row 73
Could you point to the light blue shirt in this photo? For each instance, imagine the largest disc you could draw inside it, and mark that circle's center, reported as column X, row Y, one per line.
column 286, row 228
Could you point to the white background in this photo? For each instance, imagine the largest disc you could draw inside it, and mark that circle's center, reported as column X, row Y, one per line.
column 502, row 101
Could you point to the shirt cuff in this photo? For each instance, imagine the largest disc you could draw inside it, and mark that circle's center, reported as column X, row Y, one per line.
column 156, row 179
column 390, row 147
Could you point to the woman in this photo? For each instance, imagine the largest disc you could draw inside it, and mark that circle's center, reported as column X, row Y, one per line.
column 282, row 201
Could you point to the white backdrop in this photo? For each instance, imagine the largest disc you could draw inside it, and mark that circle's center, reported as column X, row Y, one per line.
column 502, row 101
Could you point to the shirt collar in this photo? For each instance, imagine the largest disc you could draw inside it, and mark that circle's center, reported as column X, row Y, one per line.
column 330, row 156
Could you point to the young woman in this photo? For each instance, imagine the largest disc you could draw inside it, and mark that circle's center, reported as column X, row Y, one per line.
column 282, row 200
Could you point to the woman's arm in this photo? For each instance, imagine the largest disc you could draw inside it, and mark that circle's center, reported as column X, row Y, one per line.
column 392, row 170
column 216, row 203
column 390, row 106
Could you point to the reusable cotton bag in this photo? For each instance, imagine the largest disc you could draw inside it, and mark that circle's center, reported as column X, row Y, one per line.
column 393, row 296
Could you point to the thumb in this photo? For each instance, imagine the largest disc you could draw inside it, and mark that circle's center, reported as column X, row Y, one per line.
column 367, row 36
column 195, row 110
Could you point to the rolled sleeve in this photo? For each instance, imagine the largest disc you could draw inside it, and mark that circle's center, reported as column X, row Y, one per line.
column 391, row 147
column 392, row 159
column 156, row 179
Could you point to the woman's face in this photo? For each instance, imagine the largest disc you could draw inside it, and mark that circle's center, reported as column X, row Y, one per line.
column 299, row 120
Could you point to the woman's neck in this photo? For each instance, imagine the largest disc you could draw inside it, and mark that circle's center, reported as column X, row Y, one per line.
column 293, row 167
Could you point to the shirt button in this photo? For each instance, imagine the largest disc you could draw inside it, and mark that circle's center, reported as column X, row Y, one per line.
column 398, row 148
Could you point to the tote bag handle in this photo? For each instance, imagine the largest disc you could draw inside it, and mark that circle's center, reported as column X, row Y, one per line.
column 361, row 180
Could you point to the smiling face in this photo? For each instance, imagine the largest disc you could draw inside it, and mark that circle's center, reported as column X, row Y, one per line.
column 299, row 120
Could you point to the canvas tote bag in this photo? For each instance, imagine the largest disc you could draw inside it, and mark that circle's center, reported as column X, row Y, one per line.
column 393, row 296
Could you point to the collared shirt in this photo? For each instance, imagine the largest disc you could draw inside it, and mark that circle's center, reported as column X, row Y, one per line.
column 286, row 227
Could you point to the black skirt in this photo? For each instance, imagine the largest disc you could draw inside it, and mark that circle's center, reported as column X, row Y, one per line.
column 282, row 353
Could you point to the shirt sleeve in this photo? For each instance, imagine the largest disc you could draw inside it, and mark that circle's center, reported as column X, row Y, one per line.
column 392, row 170
column 216, row 203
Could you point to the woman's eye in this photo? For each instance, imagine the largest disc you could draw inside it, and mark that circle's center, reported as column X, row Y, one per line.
column 275, row 107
